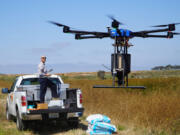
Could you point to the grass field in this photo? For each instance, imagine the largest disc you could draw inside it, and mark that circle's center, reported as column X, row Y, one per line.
column 154, row 111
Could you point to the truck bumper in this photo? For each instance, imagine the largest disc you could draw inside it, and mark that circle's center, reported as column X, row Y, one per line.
column 38, row 114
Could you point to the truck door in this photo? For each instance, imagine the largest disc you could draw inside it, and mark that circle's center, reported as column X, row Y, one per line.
column 11, row 98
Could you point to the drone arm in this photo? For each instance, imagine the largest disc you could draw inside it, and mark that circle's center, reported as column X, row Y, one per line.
column 158, row 36
column 78, row 36
column 150, row 31
column 146, row 35
column 169, row 35
column 67, row 30
column 158, row 30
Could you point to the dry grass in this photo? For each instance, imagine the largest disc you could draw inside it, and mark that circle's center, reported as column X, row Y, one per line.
column 155, row 111
column 157, row 108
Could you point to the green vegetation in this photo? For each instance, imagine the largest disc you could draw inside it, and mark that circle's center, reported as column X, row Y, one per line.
column 8, row 128
column 136, row 74
column 155, row 74
column 168, row 67
column 120, row 127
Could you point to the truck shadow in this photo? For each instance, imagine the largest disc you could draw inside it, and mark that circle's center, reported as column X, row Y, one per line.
column 53, row 127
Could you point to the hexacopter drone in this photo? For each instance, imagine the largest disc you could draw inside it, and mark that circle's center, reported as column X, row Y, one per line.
column 120, row 59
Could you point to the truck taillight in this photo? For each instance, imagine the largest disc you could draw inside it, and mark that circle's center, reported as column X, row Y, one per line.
column 23, row 100
column 80, row 98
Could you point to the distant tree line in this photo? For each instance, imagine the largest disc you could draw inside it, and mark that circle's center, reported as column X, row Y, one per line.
column 168, row 67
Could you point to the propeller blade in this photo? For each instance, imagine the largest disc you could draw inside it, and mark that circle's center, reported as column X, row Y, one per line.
column 58, row 24
column 165, row 25
column 176, row 23
column 159, row 26
column 176, row 33
column 112, row 18
column 115, row 24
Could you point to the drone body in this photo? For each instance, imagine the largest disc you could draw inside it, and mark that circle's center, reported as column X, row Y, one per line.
column 120, row 33
column 120, row 59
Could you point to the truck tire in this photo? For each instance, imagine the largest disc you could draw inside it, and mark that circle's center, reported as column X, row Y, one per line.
column 21, row 124
column 8, row 115
column 73, row 122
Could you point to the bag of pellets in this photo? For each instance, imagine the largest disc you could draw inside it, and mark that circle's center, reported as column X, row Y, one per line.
column 99, row 133
column 98, row 118
column 103, row 127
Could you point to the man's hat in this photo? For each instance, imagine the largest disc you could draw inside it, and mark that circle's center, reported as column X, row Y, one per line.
column 43, row 56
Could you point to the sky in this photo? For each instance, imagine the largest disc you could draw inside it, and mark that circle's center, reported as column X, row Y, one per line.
column 25, row 34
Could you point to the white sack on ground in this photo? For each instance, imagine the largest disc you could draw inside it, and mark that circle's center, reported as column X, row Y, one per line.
column 99, row 133
column 98, row 118
column 102, row 126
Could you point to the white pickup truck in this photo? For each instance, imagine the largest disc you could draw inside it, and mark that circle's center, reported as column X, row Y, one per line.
column 24, row 96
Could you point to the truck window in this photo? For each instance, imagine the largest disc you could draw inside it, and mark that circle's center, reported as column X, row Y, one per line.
column 13, row 85
column 35, row 81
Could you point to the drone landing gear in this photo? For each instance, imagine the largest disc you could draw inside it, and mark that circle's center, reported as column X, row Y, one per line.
column 120, row 66
column 128, row 87
column 122, row 82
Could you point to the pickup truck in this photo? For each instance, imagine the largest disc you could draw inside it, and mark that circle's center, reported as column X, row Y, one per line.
column 24, row 96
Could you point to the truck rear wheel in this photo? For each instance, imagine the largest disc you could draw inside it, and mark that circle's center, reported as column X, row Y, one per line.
column 73, row 122
column 21, row 124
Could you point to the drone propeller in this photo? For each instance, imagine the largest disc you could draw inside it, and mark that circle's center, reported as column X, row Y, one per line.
column 58, row 24
column 165, row 25
column 112, row 18
column 65, row 27
column 115, row 23
column 176, row 33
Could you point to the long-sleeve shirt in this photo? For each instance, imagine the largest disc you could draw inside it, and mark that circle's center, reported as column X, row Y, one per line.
column 42, row 69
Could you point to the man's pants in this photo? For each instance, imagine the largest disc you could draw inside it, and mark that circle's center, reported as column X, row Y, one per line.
column 44, row 83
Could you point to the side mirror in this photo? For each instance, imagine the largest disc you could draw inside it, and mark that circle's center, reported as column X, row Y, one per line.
column 5, row 90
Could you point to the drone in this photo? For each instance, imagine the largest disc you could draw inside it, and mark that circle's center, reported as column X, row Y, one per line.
column 120, row 59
